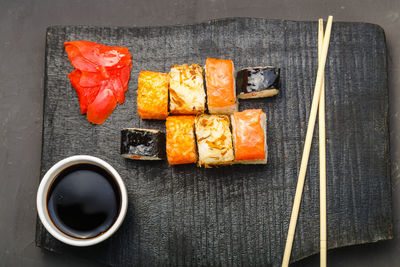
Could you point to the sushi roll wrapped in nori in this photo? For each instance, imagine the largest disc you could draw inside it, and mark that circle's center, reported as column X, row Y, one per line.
column 142, row 144
column 214, row 140
column 257, row 82
column 152, row 99
column 186, row 89
column 249, row 131
column 181, row 142
column 220, row 82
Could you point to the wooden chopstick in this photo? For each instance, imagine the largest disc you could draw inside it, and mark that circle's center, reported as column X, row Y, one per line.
column 322, row 154
column 307, row 145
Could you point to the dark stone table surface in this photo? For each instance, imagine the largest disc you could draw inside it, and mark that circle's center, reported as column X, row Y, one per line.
column 22, row 39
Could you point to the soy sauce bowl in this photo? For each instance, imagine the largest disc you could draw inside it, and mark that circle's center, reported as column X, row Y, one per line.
column 49, row 179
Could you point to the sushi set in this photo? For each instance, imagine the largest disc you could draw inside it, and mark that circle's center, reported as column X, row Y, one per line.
column 211, row 133
column 163, row 101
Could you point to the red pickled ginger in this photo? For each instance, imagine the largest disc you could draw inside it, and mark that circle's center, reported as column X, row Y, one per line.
column 100, row 77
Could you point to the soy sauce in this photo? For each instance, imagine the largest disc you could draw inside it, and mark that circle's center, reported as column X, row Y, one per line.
column 84, row 201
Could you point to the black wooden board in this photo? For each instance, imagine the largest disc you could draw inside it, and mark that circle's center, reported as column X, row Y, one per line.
column 237, row 215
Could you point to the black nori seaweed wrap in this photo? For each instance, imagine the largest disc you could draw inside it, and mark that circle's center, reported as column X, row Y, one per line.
column 143, row 144
column 253, row 81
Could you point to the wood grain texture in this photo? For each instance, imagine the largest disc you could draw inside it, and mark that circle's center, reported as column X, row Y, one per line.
column 237, row 215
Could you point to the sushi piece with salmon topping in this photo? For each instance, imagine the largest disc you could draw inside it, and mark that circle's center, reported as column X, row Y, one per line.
column 249, row 130
column 181, row 143
column 220, row 83
column 214, row 140
column 152, row 95
column 186, row 89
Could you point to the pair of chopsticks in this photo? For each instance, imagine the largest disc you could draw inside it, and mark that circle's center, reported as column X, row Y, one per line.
column 318, row 102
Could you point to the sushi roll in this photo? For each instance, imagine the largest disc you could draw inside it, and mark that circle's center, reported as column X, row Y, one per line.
column 152, row 99
column 258, row 82
column 142, row 144
column 186, row 89
column 220, row 82
column 249, row 131
column 214, row 140
column 181, row 143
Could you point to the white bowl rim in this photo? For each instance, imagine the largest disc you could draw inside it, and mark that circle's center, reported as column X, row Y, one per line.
column 48, row 179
